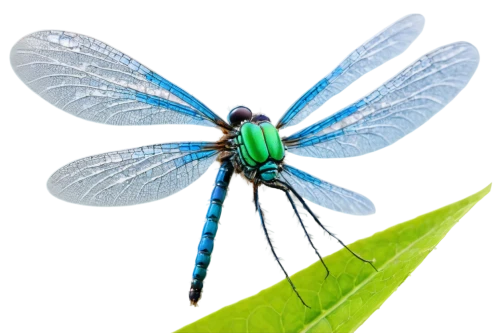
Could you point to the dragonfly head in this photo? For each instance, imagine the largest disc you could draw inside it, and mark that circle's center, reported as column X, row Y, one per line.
column 238, row 115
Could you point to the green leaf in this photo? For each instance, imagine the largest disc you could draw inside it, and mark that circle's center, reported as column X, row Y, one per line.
column 352, row 292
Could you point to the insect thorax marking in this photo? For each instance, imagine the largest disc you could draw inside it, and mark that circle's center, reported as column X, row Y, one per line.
column 260, row 150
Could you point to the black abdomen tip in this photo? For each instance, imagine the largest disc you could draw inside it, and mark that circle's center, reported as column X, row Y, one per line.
column 195, row 291
column 194, row 296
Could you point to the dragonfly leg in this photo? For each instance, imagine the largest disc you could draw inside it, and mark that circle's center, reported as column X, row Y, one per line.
column 290, row 199
column 306, row 232
column 304, row 204
column 261, row 215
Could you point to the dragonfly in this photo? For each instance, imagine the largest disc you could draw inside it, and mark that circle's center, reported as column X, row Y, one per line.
column 94, row 81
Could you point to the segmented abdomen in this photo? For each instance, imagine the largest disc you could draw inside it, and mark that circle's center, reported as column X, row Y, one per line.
column 206, row 245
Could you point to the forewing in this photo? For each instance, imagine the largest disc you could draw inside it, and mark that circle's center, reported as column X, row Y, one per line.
column 326, row 194
column 386, row 45
column 94, row 81
column 392, row 111
column 132, row 176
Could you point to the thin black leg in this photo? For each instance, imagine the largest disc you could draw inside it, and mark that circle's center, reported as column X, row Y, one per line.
column 304, row 204
column 305, row 231
column 261, row 215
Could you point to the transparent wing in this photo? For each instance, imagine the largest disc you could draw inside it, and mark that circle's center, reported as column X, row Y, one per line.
column 326, row 194
column 386, row 45
column 392, row 111
column 132, row 176
column 94, row 81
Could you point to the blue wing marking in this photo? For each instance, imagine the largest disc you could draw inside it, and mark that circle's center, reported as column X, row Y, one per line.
column 94, row 81
column 132, row 176
column 326, row 194
column 313, row 129
column 392, row 111
column 157, row 79
column 386, row 45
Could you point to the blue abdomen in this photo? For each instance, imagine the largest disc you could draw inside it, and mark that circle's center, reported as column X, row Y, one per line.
column 206, row 244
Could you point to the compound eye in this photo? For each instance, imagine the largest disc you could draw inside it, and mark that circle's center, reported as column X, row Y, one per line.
column 261, row 117
column 239, row 114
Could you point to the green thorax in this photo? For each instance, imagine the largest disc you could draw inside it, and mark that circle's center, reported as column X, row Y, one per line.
column 259, row 145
